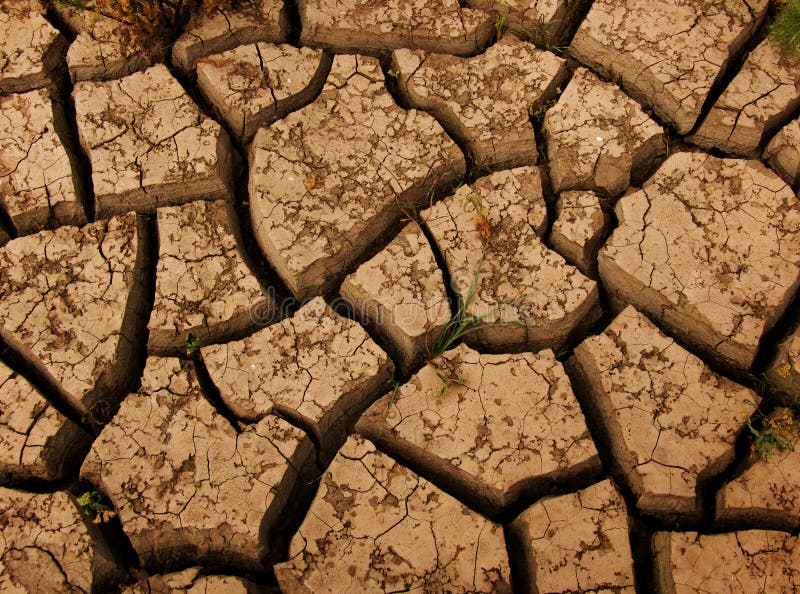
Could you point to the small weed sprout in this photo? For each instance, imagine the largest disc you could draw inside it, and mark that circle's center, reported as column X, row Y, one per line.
column 192, row 345
column 91, row 503
column 392, row 73
column 395, row 386
column 785, row 29
column 501, row 26
column 777, row 432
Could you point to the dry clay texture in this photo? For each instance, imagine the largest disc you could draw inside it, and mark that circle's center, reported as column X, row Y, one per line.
column 330, row 179
column 763, row 94
column 315, row 365
column 711, row 248
column 378, row 26
column 254, row 85
column 406, row 160
column 203, row 285
column 505, row 425
column 486, row 100
column 671, row 422
column 29, row 46
column 149, row 144
column 667, row 54
column 401, row 292
column 375, row 526
column 528, row 297
column 747, row 561
column 63, row 301
column 598, row 138
column 36, row 187
column 187, row 485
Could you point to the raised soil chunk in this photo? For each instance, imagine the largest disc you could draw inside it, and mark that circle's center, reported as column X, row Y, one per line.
column 711, row 248
column 401, row 292
column 783, row 152
column 36, row 441
column 761, row 96
column 769, row 490
column 149, row 144
column 484, row 100
column 666, row 53
column 104, row 48
column 189, row 581
column 746, row 561
column 546, row 22
column 64, row 295
column 203, row 285
column 378, row 527
column 672, row 422
column 327, row 181
column 186, row 485
column 497, row 425
column 784, row 371
column 377, row 26
column 599, row 139
column 579, row 228
column 316, row 364
column 46, row 546
column 36, row 186
column 254, row 85
column 226, row 27
column 578, row 542
column 529, row 297
column 29, row 46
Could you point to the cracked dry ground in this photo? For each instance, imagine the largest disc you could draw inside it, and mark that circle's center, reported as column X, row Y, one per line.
column 312, row 191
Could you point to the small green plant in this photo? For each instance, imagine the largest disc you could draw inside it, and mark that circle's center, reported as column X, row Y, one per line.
column 447, row 381
column 192, row 345
column 501, row 26
column 91, row 503
column 779, row 431
column 392, row 73
column 785, row 29
column 395, row 386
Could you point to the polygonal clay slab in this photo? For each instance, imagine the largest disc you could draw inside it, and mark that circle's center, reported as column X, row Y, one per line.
column 327, row 181
column 254, row 85
column 769, row 490
column 149, row 144
column 746, row 561
column 203, row 285
column 377, row 527
column 545, row 22
column 36, row 186
column 189, row 581
column 485, row 100
column 69, row 300
column 228, row 26
column 711, row 248
column 784, row 371
column 186, row 485
column 316, row 365
column 105, row 48
column 672, row 422
column 762, row 95
column 578, row 542
column 36, row 441
column 30, row 47
column 599, row 139
column 579, row 228
column 46, row 547
column 401, row 292
column 783, row 153
column 376, row 26
column 667, row 53
column 529, row 296
column 506, row 425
